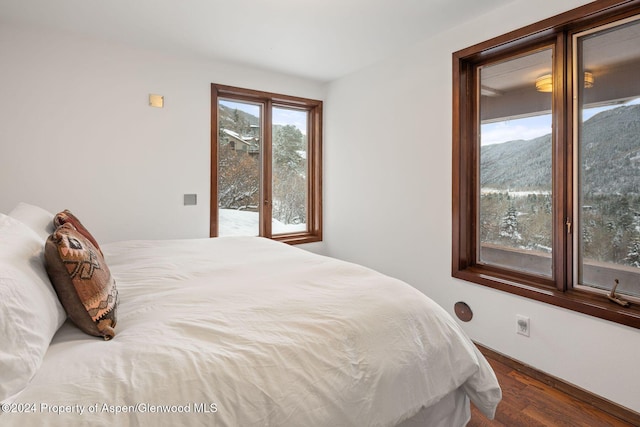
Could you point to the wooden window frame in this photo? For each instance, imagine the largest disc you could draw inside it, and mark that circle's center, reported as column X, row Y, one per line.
column 557, row 291
column 314, row 158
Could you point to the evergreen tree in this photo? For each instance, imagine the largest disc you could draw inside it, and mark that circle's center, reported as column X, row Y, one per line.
column 633, row 257
column 287, row 148
column 509, row 227
column 289, row 174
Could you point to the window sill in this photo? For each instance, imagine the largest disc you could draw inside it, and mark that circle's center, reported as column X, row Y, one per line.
column 298, row 239
column 583, row 302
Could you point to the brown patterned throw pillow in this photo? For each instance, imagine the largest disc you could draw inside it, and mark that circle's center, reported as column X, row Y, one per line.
column 65, row 217
column 82, row 281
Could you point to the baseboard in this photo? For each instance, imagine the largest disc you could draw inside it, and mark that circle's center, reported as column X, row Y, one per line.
column 601, row 403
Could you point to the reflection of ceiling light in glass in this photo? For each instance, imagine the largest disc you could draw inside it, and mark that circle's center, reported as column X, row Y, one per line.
column 588, row 80
column 545, row 83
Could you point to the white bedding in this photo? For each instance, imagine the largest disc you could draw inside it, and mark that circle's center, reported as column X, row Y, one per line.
column 250, row 332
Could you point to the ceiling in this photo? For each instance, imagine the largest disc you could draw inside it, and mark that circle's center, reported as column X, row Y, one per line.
column 604, row 52
column 317, row 39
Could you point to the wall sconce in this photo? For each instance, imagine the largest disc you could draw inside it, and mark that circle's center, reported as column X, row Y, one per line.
column 544, row 83
column 156, row 101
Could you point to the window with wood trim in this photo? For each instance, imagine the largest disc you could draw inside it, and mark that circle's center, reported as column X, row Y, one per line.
column 546, row 161
column 266, row 165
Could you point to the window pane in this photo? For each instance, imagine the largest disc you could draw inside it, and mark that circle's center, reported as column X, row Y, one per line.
column 515, row 210
column 608, row 124
column 290, row 171
column 239, row 136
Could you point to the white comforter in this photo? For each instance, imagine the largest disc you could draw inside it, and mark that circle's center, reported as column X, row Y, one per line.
column 251, row 332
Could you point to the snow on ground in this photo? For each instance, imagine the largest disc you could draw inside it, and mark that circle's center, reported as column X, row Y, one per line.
column 245, row 223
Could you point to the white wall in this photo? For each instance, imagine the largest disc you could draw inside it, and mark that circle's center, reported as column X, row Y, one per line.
column 77, row 132
column 388, row 206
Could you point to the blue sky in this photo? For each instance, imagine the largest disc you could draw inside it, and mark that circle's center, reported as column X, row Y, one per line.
column 281, row 116
column 531, row 127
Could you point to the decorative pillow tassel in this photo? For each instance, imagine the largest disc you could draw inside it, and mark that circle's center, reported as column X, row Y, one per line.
column 105, row 326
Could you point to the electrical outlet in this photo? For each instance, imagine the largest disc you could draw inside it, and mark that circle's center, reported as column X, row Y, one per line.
column 522, row 325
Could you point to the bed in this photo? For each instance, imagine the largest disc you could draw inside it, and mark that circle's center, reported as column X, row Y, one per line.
column 234, row 331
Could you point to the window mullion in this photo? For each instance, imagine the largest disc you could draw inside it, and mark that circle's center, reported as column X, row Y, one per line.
column 266, row 187
column 562, row 166
column 570, row 162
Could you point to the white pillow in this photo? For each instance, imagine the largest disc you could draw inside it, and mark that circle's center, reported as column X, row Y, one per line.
column 30, row 312
column 38, row 219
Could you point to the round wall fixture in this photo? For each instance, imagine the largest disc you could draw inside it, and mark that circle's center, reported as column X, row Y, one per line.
column 463, row 311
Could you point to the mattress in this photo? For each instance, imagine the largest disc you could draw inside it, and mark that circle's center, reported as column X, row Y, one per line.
column 246, row 331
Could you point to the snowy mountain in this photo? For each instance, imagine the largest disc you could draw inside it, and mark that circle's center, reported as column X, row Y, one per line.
column 610, row 157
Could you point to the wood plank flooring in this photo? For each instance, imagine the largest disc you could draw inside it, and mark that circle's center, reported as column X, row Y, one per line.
column 532, row 403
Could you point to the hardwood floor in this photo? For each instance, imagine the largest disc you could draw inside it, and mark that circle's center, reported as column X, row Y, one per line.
column 532, row 403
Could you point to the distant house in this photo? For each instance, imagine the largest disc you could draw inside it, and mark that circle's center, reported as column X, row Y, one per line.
column 249, row 144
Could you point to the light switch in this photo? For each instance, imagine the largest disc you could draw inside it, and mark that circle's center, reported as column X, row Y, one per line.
column 190, row 199
column 156, row 101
